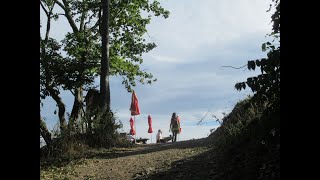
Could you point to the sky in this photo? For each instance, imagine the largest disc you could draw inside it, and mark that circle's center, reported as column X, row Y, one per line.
column 193, row 44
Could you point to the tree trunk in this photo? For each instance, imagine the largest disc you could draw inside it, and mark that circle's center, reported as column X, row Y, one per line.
column 92, row 103
column 76, row 109
column 61, row 111
column 105, row 64
column 45, row 133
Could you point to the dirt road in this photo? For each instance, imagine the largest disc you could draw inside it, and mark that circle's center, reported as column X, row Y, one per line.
column 185, row 159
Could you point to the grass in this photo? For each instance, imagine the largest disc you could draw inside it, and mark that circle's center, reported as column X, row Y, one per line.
column 248, row 142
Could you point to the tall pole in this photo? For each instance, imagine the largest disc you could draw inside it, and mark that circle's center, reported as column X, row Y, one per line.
column 135, row 135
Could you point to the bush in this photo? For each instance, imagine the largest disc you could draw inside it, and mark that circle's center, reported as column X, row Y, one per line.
column 71, row 146
column 105, row 130
column 248, row 141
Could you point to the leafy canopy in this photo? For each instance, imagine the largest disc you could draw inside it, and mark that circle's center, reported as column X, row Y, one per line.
column 266, row 86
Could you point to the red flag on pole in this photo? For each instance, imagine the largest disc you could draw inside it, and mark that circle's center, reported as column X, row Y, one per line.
column 132, row 130
column 150, row 130
column 134, row 107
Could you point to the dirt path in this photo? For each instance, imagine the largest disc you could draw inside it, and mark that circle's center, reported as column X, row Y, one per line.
column 150, row 161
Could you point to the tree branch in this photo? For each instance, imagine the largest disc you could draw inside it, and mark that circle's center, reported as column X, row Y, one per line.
column 117, row 14
column 97, row 24
column 48, row 22
column 200, row 121
column 47, row 31
column 83, row 15
column 48, row 13
column 99, row 19
column 46, row 135
column 65, row 7
column 72, row 92
column 44, row 9
column 60, row 4
column 236, row 67
column 148, row 35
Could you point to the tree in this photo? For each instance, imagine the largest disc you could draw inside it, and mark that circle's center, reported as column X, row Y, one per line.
column 266, row 86
column 77, row 69
column 49, row 60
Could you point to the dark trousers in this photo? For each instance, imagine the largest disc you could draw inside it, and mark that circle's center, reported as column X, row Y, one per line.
column 174, row 136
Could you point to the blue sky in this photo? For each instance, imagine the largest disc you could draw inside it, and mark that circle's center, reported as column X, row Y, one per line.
column 193, row 44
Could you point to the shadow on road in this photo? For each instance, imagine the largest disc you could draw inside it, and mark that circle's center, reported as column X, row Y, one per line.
column 202, row 166
column 149, row 148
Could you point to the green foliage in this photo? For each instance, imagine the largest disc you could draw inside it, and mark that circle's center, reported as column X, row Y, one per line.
column 105, row 130
column 51, row 66
column 266, row 86
column 83, row 52
column 128, row 21
column 127, row 44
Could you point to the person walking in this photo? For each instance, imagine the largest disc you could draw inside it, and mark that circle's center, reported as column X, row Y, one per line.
column 174, row 126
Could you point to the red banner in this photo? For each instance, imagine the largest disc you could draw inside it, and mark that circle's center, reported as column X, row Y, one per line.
column 134, row 107
column 150, row 130
column 132, row 130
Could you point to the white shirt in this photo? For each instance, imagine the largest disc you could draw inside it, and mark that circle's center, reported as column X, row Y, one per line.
column 159, row 136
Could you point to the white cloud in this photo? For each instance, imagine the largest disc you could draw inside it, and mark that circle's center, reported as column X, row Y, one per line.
column 165, row 59
column 213, row 23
